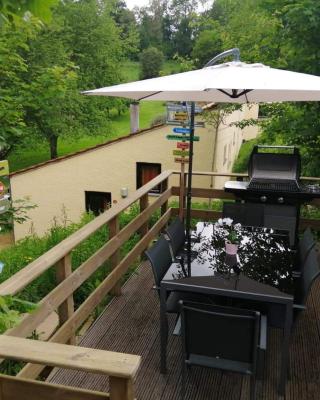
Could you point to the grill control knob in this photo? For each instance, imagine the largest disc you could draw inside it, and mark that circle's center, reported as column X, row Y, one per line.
column 263, row 199
column 280, row 200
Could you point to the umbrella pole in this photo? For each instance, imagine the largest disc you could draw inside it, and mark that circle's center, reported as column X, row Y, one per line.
column 189, row 193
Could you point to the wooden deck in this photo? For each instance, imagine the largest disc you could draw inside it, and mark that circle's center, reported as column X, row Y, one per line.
column 130, row 324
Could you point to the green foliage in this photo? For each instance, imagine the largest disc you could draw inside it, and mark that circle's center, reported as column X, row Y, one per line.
column 12, row 310
column 151, row 61
column 27, row 250
column 13, row 10
column 13, row 67
column 184, row 63
column 207, row 45
column 241, row 163
column 18, row 212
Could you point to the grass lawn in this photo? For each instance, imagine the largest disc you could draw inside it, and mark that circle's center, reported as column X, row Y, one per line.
column 120, row 126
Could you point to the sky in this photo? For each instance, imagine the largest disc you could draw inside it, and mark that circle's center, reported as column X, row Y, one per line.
column 133, row 3
column 139, row 3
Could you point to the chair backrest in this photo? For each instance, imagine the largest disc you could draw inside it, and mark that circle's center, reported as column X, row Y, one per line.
column 306, row 243
column 176, row 234
column 220, row 332
column 160, row 259
column 249, row 214
column 310, row 271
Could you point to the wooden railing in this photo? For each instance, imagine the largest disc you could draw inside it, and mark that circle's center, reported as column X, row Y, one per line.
column 59, row 257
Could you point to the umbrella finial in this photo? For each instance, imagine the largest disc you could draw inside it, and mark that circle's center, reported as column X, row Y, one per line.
column 235, row 52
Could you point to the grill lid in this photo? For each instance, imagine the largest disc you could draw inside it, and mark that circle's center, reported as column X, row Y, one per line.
column 274, row 171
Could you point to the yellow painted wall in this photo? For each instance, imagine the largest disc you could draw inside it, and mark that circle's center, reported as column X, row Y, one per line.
column 61, row 185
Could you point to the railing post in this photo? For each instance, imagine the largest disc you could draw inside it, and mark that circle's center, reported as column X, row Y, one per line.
column 114, row 228
column 121, row 388
column 144, row 202
column 164, row 187
column 66, row 309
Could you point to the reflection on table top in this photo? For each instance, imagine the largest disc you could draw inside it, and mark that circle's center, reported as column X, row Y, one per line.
column 264, row 256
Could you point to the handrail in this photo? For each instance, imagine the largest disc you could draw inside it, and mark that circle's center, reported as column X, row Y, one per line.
column 30, row 272
column 120, row 367
column 71, row 357
column 236, row 175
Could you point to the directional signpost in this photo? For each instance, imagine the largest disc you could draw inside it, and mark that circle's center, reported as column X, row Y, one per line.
column 183, row 137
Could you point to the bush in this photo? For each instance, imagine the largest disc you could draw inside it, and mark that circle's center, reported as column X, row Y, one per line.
column 151, row 61
column 241, row 163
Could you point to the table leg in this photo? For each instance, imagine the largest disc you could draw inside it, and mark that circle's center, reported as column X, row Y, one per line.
column 285, row 349
column 163, row 331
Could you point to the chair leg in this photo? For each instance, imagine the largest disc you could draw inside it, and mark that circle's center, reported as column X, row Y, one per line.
column 252, row 387
column 183, row 380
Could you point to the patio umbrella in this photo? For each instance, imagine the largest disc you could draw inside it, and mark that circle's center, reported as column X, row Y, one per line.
column 230, row 82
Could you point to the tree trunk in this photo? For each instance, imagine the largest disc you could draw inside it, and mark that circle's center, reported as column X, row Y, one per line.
column 53, row 141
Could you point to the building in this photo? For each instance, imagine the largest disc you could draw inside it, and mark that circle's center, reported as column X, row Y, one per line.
column 95, row 178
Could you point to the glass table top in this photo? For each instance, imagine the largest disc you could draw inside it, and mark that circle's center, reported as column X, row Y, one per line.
column 264, row 255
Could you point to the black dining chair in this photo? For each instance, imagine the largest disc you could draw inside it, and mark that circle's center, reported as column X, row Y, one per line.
column 306, row 243
column 310, row 272
column 248, row 214
column 225, row 338
column 159, row 256
column 177, row 239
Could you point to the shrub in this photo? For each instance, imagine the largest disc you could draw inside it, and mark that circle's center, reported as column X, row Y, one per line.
column 151, row 61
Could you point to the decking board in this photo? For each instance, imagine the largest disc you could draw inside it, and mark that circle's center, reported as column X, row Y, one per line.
column 130, row 324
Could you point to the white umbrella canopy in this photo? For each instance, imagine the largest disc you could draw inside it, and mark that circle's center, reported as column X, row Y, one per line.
column 231, row 82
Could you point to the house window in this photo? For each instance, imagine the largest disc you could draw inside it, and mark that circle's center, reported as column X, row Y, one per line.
column 97, row 202
column 146, row 172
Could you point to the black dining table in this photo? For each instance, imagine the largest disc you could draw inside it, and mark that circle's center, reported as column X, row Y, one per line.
column 260, row 273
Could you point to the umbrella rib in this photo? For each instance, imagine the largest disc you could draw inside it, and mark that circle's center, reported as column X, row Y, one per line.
column 235, row 94
column 149, row 95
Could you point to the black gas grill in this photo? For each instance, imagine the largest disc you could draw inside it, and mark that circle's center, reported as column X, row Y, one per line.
column 274, row 183
column 276, row 172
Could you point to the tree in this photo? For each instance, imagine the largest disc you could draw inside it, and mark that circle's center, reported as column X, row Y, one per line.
column 151, row 61
column 13, row 68
column 52, row 104
column 126, row 22
column 208, row 44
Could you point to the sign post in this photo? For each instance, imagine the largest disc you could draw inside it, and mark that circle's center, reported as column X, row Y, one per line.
column 185, row 138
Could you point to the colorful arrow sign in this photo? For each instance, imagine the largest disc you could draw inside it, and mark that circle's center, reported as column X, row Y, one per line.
column 186, row 137
column 181, row 130
column 181, row 160
column 181, row 153
column 182, row 145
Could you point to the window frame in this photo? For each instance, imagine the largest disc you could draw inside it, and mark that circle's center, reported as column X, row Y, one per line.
column 139, row 165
